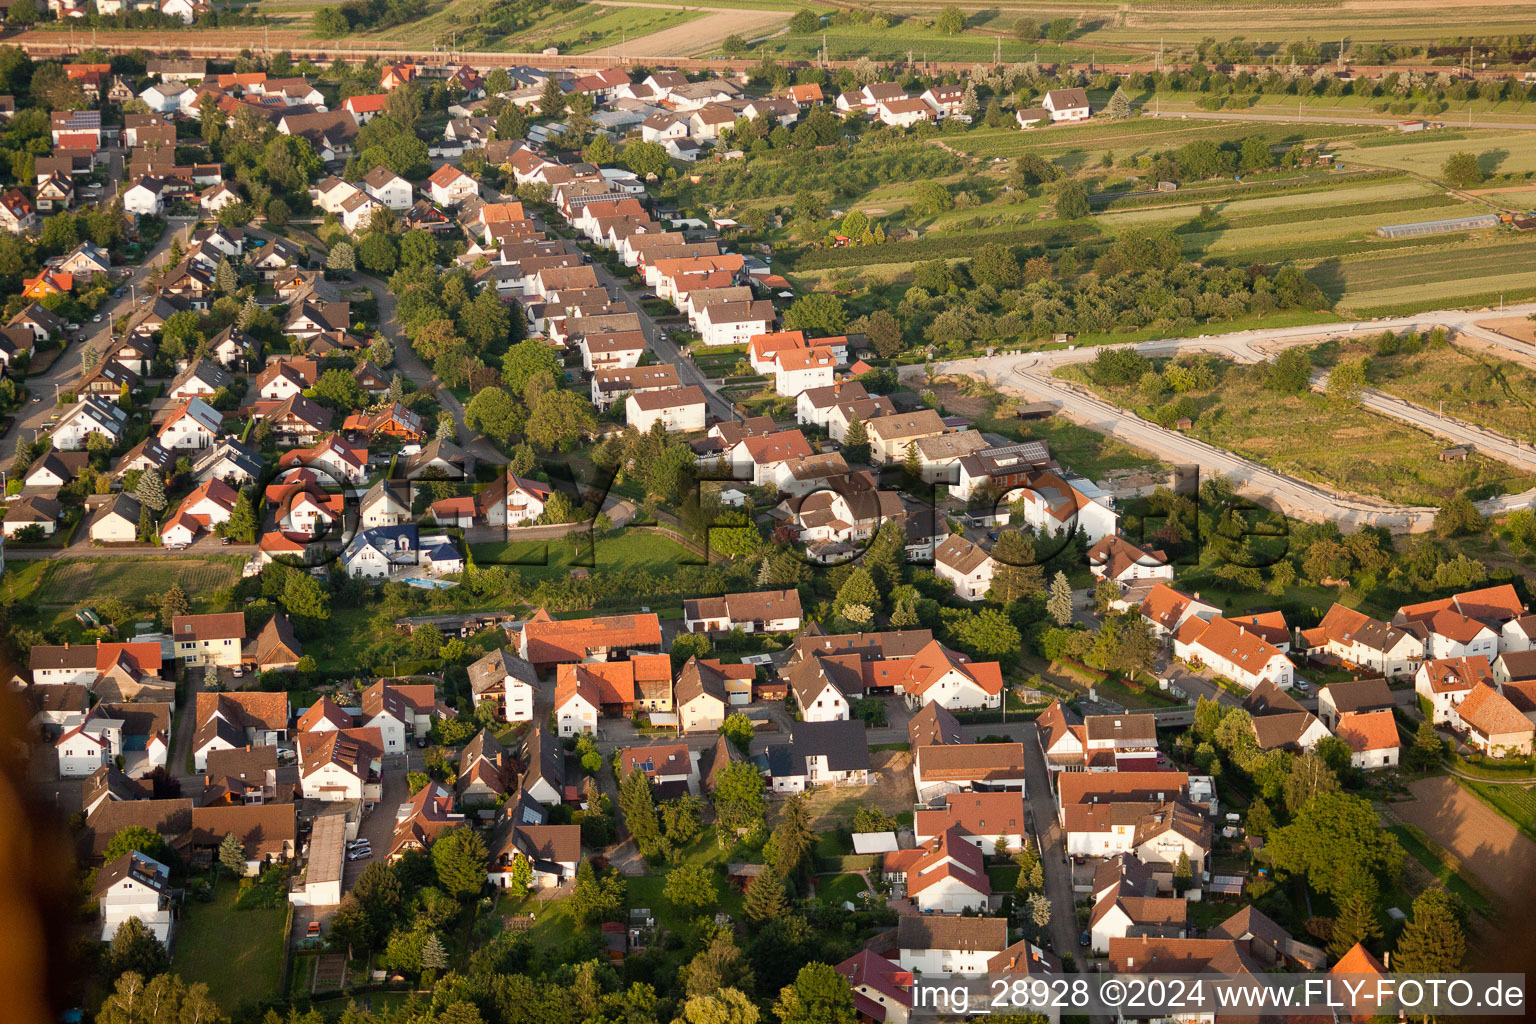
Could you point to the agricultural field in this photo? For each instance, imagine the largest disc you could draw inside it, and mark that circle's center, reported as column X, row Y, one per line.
column 1183, row 23
column 1498, row 152
column 1075, row 147
column 1310, row 437
column 135, row 580
column 585, row 28
column 1477, row 268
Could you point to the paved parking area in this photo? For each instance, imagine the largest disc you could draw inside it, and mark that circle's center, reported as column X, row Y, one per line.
column 379, row 826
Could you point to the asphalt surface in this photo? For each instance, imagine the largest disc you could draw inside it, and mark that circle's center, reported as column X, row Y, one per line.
column 1030, row 373
column 32, row 419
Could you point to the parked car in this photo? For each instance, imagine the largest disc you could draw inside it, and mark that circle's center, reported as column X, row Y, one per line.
column 1086, row 938
column 313, row 929
column 96, row 319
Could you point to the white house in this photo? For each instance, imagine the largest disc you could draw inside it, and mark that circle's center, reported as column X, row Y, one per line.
column 134, row 885
column 734, row 323
column 1117, row 559
column 1233, row 650
column 1372, row 738
column 820, row 754
column 799, row 369
column 945, row 875
column 1067, row 104
column 341, row 764
column 190, row 424
column 145, row 197
column 89, row 415
column 966, row 566
column 449, row 186
column 984, row 819
column 1357, row 640
column 677, row 409
column 940, row 946
column 1445, row 683
column 507, row 681
column 577, row 704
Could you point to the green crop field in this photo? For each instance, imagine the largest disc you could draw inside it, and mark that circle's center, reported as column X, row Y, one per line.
column 135, row 580
column 1498, row 152
column 1477, row 264
column 1142, row 136
column 1310, row 437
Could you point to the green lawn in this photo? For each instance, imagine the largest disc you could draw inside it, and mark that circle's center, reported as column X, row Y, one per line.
column 630, row 549
column 553, row 921
column 839, row 889
column 238, row 954
column 1442, row 866
column 1003, row 876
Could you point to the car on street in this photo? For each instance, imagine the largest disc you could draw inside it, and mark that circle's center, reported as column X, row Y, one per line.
column 96, row 319
column 37, row 398
column 1086, row 938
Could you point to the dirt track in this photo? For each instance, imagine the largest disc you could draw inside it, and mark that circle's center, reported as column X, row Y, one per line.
column 1487, row 845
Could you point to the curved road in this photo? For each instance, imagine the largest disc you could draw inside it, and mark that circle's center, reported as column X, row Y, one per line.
column 1030, row 373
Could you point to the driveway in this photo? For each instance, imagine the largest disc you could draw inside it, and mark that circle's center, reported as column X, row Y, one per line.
column 378, row 827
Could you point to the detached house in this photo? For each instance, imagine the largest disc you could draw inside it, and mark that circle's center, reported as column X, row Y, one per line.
column 1233, row 650
column 1446, row 682
column 773, row 611
column 820, row 754
column 945, row 875
column 508, row 682
column 1354, row 639
column 341, row 764
column 677, row 409
column 449, row 186
column 229, row 721
column 1492, row 723
column 966, row 566
column 212, row 639
column 134, row 885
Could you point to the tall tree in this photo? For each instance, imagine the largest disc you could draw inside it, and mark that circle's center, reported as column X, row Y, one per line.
column 150, row 490
column 232, row 854
column 459, row 857
column 819, row 995
column 738, row 797
column 1016, row 575
column 1357, row 919
column 856, row 441
column 135, row 948
column 793, row 839
column 174, row 603
column 1434, row 942
column 1059, row 604
column 639, row 808
column 766, row 899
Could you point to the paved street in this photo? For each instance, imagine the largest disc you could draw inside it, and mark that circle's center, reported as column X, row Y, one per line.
column 1053, row 858
column 1030, row 374
column 32, row 419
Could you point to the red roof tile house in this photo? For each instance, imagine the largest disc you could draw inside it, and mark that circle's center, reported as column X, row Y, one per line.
column 1145, row 813
column 1492, row 723
column 984, row 818
column 1165, row 609
column 768, row 611
column 1445, row 683
column 1372, row 737
column 1355, row 640
column 341, row 764
column 547, row 642
column 420, row 822
column 1462, row 625
column 945, row 875
column 1233, row 650
column 1117, row 559
column 882, row 991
